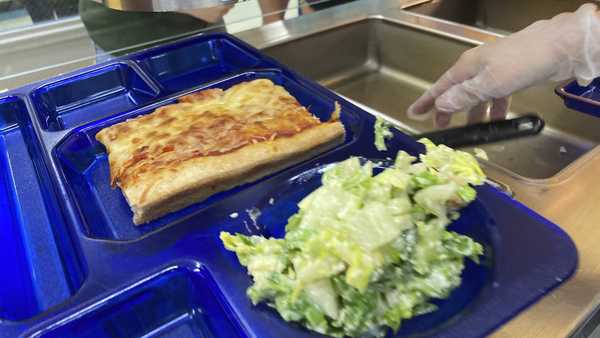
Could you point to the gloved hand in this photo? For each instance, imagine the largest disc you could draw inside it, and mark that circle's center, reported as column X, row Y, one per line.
column 566, row 46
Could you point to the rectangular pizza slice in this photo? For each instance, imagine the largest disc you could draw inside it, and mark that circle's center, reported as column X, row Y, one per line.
column 211, row 141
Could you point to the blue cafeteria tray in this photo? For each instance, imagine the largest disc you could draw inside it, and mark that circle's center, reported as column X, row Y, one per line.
column 583, row 99
column 75, row 265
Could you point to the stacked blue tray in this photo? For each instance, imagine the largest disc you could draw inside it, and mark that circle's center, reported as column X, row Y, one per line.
column 585, row 99
column 74, row 265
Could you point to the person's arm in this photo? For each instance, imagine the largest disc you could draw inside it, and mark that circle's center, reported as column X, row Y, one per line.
column 210, row 15
column 564, row 47
column 273, row 10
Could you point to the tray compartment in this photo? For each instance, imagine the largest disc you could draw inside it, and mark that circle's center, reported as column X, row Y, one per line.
column 180, row 301
column 194, row 62
column 92, row 95
column 41, row 266
column 279, row 203
column 104, row 212
column 490, row 294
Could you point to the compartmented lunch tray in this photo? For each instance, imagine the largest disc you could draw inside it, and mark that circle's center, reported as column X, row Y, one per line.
column 75, row 265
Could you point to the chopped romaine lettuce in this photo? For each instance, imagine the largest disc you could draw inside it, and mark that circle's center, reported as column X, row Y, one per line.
column 452, row 165
column 365, row 252
column 382, row 133
column 480, row 153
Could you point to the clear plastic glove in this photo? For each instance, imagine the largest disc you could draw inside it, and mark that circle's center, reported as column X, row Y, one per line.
column 564, row 47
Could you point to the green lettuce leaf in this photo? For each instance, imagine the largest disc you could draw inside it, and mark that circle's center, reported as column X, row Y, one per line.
column 382, row 133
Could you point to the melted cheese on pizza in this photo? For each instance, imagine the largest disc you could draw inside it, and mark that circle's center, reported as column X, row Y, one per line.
column 207, row 123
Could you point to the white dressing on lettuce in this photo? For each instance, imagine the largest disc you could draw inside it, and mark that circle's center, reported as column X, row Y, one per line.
column 365, row 251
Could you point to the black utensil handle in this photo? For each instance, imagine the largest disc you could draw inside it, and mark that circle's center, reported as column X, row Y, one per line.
column 481, row 133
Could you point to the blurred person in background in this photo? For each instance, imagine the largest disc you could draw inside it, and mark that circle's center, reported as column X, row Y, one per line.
column 45, row 10
column 120, row 32
column 275, row 9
